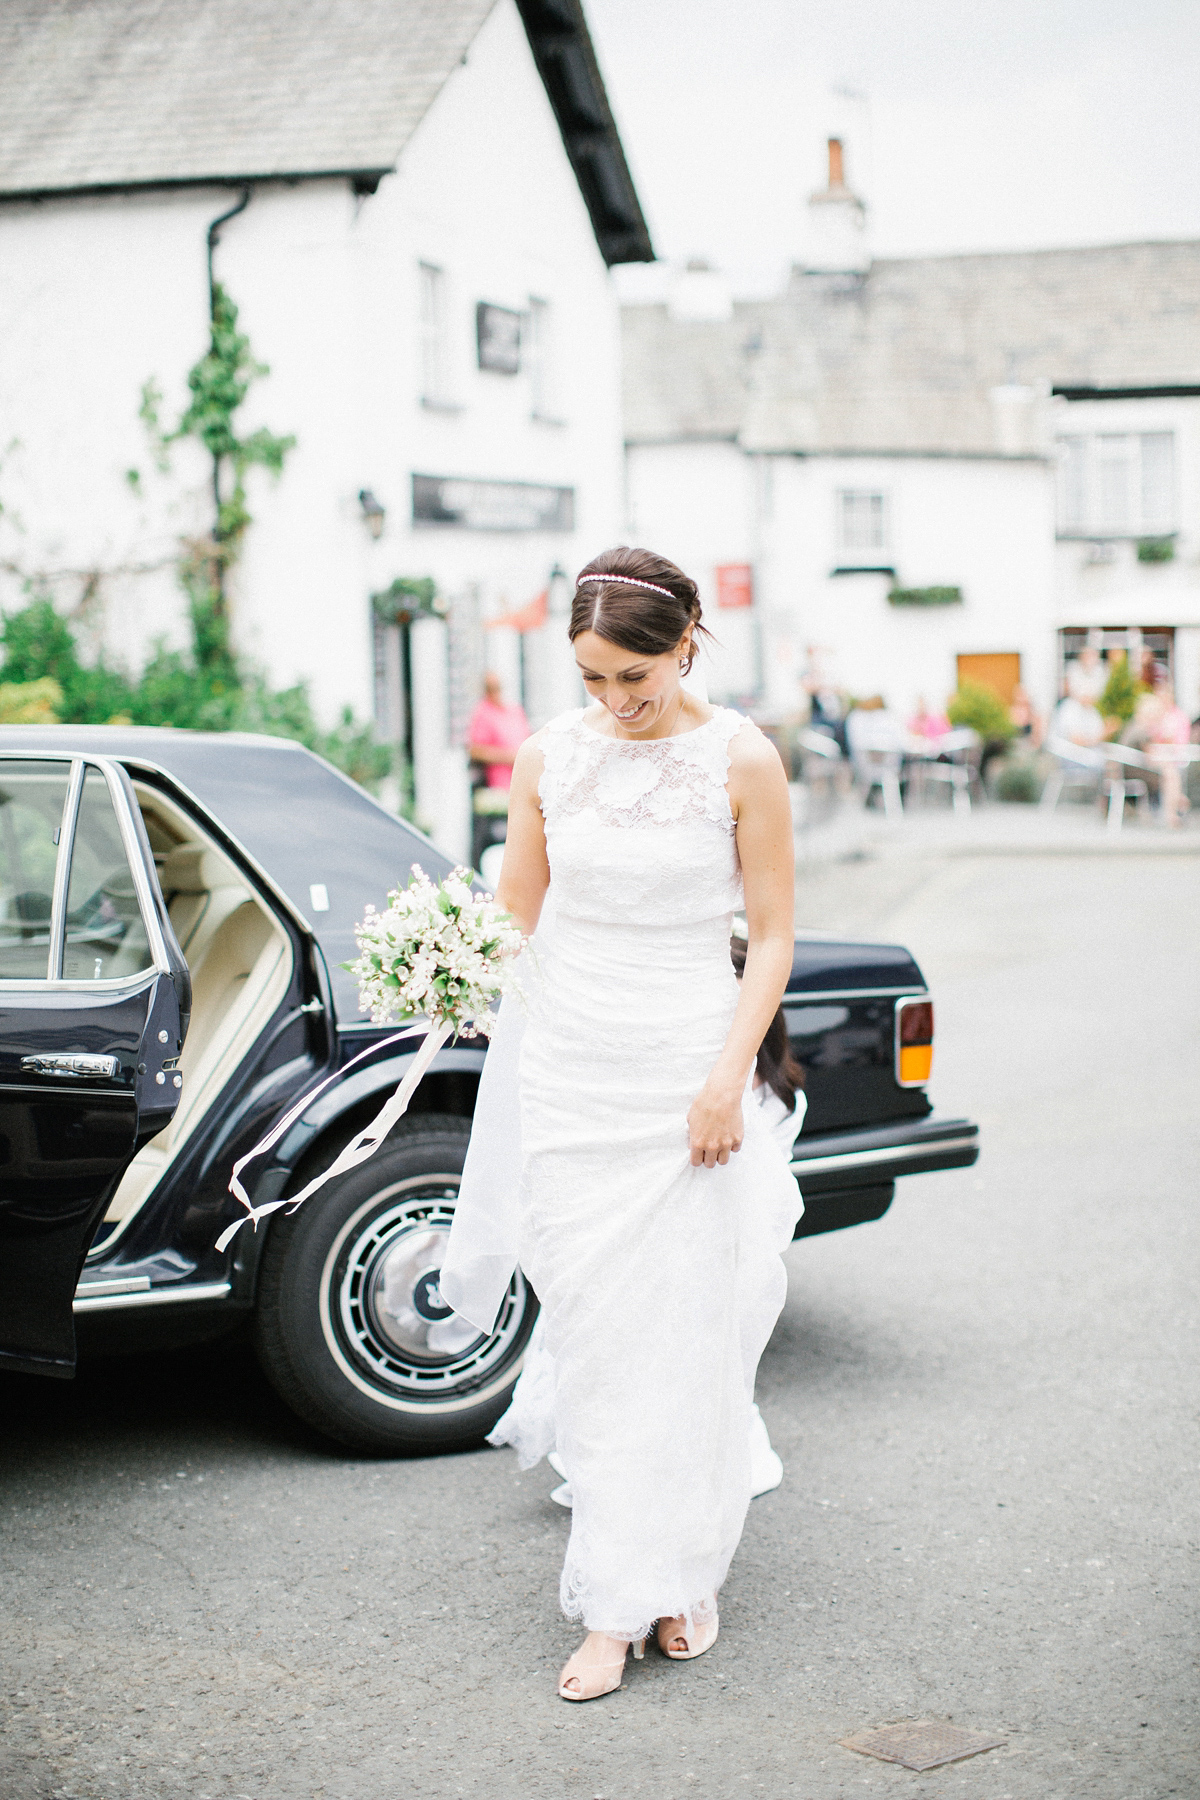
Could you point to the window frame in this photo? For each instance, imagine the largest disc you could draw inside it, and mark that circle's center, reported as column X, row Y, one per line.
column 541, row 363
column 1080, row 458
column 433, row 320
column 848, row 551
column 160, row 963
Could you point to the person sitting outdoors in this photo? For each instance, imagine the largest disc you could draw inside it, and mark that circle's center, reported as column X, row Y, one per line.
column 1024, row 718
column 926, row 724
column 1079, row 722
column 1158, row 726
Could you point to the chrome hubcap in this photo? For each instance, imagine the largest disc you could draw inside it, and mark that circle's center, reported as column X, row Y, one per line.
column 388, row 1310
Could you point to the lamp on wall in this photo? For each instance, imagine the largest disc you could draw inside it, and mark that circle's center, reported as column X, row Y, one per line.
column 372, row 511
column 558, row 593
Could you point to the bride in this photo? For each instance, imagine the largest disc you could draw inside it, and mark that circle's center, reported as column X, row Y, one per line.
column 648, row 1205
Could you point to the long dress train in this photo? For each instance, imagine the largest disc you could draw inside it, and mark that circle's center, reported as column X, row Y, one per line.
column 660, row 1283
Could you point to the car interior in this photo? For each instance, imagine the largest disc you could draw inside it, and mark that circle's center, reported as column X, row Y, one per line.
column 240, row 959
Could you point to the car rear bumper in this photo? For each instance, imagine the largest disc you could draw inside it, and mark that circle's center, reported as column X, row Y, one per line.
column 851, row 1159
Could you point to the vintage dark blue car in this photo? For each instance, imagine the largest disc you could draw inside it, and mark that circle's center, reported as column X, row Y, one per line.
column 174, row 908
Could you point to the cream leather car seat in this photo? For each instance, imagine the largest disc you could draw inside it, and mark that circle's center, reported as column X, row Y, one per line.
column 240, row 964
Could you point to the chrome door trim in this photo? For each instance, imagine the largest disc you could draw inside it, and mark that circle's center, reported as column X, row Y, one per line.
column 88, row 1301
column 133, row 853
column 62, row 870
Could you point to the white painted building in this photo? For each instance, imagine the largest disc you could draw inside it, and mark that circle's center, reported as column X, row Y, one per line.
column 434, row 193
column 1011, row 426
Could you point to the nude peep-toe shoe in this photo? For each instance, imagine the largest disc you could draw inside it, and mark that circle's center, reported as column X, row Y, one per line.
column 599, row 1676
column 701, row 1638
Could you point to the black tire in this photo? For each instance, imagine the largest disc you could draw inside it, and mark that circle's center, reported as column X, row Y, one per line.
column 349, row 1326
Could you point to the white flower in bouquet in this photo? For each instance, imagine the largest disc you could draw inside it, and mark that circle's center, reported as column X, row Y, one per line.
column 437, row 952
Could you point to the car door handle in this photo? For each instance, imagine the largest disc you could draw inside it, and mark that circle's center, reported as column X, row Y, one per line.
column 75, row 1068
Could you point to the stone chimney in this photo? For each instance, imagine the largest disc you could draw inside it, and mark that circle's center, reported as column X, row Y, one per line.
column 837, row 224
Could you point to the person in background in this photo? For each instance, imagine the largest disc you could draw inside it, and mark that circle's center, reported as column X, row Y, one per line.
column 1079, row 721
column 1086, row 676
column 827, row 710
column 1027, row 723
column 496, row 732
column 926, row 724
column 1157, row 727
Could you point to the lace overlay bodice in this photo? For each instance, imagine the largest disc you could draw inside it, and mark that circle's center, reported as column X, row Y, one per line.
column 641, row 833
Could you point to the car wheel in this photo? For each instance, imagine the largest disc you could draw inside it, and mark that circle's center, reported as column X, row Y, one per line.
column 350, row 1327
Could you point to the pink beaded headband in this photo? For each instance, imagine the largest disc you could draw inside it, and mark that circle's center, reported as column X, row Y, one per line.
column 629, row 581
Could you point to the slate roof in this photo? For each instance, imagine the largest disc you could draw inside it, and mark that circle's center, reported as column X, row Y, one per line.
column 100, row 95
column 902, row 360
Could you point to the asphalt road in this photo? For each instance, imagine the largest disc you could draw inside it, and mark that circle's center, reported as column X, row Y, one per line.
column 984, row 1404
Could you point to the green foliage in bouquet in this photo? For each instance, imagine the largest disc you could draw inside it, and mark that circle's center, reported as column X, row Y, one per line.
column 1119, row 698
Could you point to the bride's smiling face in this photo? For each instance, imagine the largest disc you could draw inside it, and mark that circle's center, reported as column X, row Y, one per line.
column 639, row 691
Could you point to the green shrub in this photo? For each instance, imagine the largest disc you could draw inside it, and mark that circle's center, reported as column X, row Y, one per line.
column 30, row 702
column 1156, row 550
column 981, row 709
column 1120, row 691
column 217, row 692
column 1018, row 780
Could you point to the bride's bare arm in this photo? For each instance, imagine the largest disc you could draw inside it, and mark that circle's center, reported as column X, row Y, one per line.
column 759, row 798
column 525, row 871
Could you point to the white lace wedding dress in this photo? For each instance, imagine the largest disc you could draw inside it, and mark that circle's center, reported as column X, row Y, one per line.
column 660, row 1283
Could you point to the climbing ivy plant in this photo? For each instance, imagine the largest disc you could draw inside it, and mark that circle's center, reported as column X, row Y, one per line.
column 209, row 686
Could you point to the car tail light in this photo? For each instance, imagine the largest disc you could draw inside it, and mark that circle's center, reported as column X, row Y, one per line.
column 914, row 1042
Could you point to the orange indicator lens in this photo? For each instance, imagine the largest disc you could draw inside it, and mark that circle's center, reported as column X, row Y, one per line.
column 916, row 1062
column 914, row 1042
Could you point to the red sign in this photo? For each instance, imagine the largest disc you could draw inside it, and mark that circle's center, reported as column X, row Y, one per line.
column 735, row 585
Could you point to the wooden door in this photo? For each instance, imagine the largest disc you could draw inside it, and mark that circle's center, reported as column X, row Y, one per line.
column 1000, row 671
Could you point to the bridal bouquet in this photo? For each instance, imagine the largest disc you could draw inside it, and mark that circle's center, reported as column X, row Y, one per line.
column 436, row 954
column 441, row 952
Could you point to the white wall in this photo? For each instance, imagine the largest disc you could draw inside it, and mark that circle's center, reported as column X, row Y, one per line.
column 696, row 504
column 1108, row 586
column 980, row 525
column 984, row 525
column 98, row 295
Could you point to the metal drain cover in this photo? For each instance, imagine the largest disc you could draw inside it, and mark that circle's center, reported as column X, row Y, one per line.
column 921, row 1743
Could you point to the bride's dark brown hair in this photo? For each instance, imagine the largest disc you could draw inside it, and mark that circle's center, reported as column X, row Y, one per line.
column 642, row 619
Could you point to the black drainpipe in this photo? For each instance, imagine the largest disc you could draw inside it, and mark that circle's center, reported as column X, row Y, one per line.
column 214, row 238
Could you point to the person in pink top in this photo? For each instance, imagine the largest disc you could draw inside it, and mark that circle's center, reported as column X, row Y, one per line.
column 496, row 732
column 926, row 724
column 1166, row 727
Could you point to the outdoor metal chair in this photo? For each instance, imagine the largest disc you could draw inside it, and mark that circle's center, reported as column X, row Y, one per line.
column 877, row 752
column 1120, row 786
column 952, row 758
column 823, row 768
column 1077, row 767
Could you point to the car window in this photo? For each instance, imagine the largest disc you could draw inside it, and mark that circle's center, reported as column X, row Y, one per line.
column 106, row 934
column 31, row 807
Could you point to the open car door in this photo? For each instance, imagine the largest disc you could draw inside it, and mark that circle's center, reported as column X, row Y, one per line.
column 94, row 998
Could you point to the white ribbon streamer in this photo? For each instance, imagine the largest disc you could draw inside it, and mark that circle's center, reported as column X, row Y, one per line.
column 359, row 1148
